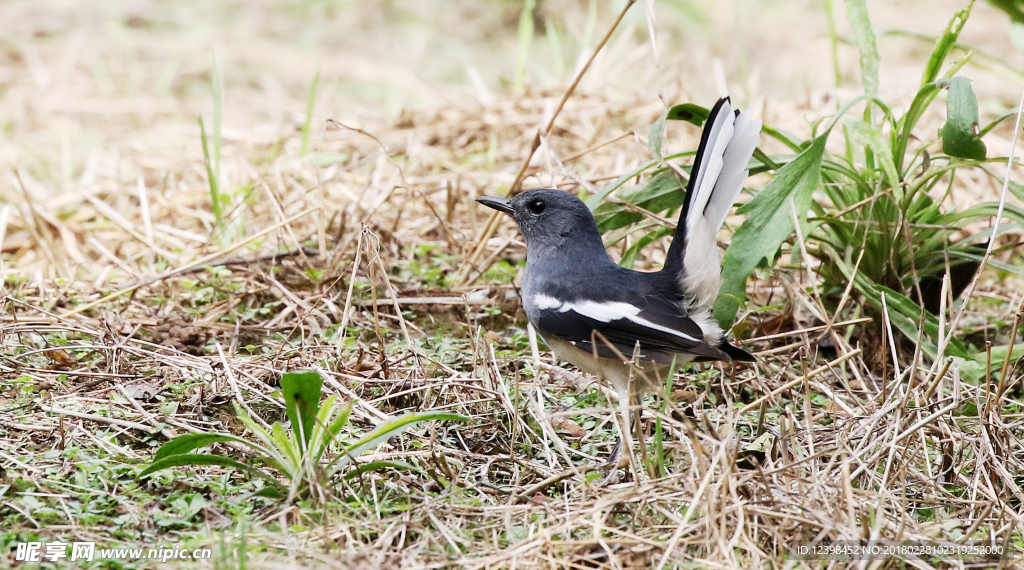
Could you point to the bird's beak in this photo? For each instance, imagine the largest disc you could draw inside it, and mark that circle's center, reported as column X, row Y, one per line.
column 499, row 204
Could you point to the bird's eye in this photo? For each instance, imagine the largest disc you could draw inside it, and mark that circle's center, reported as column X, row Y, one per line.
column 537, row 206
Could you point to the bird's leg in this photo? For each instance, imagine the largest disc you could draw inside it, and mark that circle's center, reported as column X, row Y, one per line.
column 623, row 451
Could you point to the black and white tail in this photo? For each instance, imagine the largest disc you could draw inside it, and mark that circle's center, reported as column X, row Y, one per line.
column 719, row 171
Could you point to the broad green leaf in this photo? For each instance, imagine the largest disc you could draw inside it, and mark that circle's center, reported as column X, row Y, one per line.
column 206, row 459
column 762, row 444
column 769, row 223
column 944, row 44
column 190, row 441
column 999, row 354
column 302, row 401
column 688, row 112
column 389, row 429
column 959, row 134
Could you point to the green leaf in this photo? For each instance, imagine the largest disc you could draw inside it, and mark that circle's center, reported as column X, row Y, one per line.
column 921, row 101
column 302, row 401
column 206, row 459
column 629, row 258
column 944, row 44
column 658, row 193
column 190, row 441
column 611, row 216
column 688, row 112
column 330, row 422
column 872, row 138
column 340, row 420
column 211, row 176
column 287, row 447
column 656, row 138
column 906, row 316
column 374, row 465
column 864, row 36
column 594, row 201
column 769, row 222
column 391, row 428
column 960, row 133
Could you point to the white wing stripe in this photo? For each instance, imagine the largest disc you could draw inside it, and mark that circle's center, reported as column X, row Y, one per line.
column 673, row 332
column 613, row 311
column 546, row 302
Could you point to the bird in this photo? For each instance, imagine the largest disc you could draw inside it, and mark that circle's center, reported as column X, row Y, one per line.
column 628, row 326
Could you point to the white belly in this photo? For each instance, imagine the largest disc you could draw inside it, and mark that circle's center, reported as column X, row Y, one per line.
column 612, row 369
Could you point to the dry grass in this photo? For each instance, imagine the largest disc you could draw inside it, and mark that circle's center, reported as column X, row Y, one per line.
column 129, row 316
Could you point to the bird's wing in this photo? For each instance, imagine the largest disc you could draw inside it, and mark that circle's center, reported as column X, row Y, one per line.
column 661, row 328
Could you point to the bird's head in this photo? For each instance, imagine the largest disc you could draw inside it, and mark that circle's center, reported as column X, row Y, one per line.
column 549, row 218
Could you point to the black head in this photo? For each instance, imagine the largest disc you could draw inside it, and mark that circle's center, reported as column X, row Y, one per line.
column 549, row 218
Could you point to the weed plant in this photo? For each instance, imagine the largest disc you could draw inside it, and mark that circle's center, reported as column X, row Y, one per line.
column 299, row 454
column 885, row 218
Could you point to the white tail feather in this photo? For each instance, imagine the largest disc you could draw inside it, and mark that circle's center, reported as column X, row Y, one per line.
column 719, row 180
column 711, row 163
column 746, row 134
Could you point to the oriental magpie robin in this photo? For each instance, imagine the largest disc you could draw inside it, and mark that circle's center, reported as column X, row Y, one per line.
column 594, row 313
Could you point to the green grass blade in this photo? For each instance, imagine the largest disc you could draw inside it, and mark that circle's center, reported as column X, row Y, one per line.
column 864, row 36
column 339, row 422
column 594, row 201
column 944, row 44
column 656, row 137
column 206, row 459
column 659, row 436
column 871, row 137
column 390, row 429
column 525, row 39
column 310, row 104
column 211, row 176
column 190, row 441
column 217, row 90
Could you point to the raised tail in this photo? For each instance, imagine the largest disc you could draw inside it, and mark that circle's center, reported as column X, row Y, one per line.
column 716, row 179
